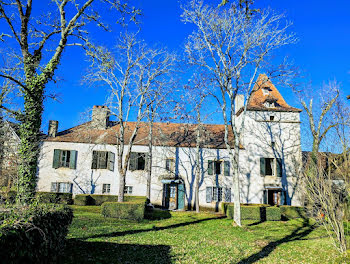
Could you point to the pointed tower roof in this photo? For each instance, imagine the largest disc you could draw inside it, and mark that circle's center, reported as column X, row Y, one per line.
column 266, row 97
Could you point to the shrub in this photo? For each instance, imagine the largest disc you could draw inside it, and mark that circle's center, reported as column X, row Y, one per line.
column 291, row 212
column 248, row 212
column 34, row 234
column 125, row 210
column 51, row 197
column 156, row 214
column 99, row 199
column 273, row 213
column 9, row 197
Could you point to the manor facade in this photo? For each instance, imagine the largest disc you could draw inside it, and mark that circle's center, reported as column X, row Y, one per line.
column 83, row 159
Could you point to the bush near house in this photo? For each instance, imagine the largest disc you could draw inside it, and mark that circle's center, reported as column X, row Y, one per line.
column 34, row 234
column 99, row 199
column 42, row 197
column 292, row 212
column 265, row 212
column 125, row 210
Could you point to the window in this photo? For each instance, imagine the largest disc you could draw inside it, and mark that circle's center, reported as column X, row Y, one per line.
column 103, row 160
column 106, row 188
column 64, row 159
column 214, row 194
column 271, row 167
column 137, row 161
column 266, row 90
column 128, row 189
column 272, row 118
column 273, row 144
column 61, row 187
column 215, row 166
column 170, row 165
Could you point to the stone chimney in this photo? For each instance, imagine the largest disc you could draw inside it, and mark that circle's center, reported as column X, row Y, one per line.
column 100, row 117
column 53, row 127
column 239, row 102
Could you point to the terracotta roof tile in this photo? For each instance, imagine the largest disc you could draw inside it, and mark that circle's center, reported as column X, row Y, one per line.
column 164, row 134
column 265, row 92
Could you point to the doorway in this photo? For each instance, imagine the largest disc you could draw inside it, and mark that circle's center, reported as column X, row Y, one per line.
column 174, row 196
column 274, row 197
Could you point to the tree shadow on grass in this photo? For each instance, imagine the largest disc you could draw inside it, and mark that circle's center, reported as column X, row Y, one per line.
column 297, row 234
column 131, row 232
column 78, row 251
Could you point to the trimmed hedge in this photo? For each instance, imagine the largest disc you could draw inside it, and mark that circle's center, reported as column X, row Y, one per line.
column 125, row 210
column 42, row 197
column 99, row 199
column 157, row 214
column 266, row 213
column 35, row 234
column 273, row 213
column 292, row 212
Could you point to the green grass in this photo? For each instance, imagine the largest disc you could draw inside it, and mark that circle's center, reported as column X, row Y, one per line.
column 188, row 237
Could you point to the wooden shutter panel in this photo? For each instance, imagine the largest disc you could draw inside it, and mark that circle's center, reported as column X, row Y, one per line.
column 54, row 186
column 56, row 158
column 210, row 167
column 279, row 168
column 265, row 197
column 209, row 194
column 262, row 167
column 227, row 168
column 283, row 198
column 94, row 160
column 133, row 161
column 70, row 190
column 73, row 159
column 111, row 158
column 228, row 195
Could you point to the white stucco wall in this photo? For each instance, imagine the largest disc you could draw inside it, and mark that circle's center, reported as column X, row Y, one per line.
column 284, row 131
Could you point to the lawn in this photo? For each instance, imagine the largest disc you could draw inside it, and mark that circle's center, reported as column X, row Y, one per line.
column 188, row 237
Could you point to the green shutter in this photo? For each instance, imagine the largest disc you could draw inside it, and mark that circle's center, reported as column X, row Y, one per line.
column 111, row 158
column 279, row 167
column 283, row 198
column 56, row 158
column 262, row 167
column 133, row 161
column 227, row 168
column 208, row 194
column 73, row 159
column 265, row 197
column 210, row 167
column 228, row 195
column 94, row 160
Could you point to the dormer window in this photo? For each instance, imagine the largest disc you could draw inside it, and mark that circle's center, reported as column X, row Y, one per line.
column 266, row 91
column 270, row 104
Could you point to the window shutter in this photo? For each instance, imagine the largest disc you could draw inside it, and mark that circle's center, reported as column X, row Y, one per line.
column 111, row 158
column 133, row 161
column 262, row 167
column 210, row 167
column 146, row 161
column 209, row 194
column 279, row 167
column 56, row 158
column 73, row 159
column 53, row 186
column 228, row 195
column 94, row 160
column 70, row 187
column 283, row 198
column 227, row 168
column 265, row 197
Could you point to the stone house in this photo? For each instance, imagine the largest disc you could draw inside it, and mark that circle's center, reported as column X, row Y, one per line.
column 82, row 159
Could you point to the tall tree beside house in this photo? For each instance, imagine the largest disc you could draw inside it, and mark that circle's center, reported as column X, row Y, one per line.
column 326, row 175
column 232, row 47
column 130, row 72
column 37, row 43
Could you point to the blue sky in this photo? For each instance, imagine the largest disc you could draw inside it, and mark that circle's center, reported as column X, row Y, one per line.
column 322, row 53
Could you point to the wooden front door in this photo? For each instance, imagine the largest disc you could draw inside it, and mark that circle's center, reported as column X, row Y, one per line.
column 170, row 196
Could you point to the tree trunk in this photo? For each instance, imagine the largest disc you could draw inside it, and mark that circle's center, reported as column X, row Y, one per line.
column 122, row 174
column 150, row 156
column 236, row 188
column 30, row 139
column 197, row 168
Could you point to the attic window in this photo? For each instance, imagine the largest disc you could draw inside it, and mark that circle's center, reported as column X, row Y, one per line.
column 270, row 104
column 266, row 90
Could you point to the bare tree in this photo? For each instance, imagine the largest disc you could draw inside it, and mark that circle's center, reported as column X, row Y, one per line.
column 130, row 74
column 37, row 44
column 233, row 47
column 325, row 174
